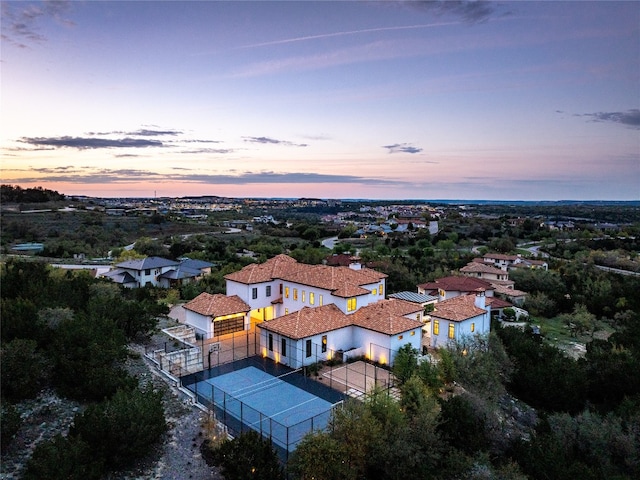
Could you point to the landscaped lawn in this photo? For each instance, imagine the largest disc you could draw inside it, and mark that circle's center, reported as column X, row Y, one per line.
column 557, row 333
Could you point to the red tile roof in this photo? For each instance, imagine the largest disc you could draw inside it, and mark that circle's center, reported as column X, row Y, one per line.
column 341, row 281
column 385, row 316
column 496, row 302
column 217, row 305
column 264, row 272
column 475, row 267
column 457, row 308
column 308, row 321
column 388, row 316
column 458, row 284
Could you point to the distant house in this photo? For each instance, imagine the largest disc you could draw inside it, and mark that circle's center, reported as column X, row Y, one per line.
column 484, row 271
column 506, row 262
column 157, row 272
column 460, row 317
column 500, row 260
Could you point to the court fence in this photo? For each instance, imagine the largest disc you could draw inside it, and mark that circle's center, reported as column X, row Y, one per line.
column 239, row 417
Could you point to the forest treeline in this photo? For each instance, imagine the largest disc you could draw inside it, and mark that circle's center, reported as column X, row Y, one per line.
column 17, row 194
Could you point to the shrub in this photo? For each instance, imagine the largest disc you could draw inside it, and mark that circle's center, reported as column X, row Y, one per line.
column 64, row 458
column 9, row 423
column 23, row 369
column 246, row 456
column 123, row 428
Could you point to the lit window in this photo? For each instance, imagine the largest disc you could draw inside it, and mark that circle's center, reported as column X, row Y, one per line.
column 374, row 291
column 286, row 292
column 312, row 298
column 473, row 327
column 351, row 304
column 436, row 327
column 413, row 332
column 381, row 290
column 320, row 300
column 286, row 311
column 304, row 294
column 295, row 294
column 324, row 343
column 452, row 330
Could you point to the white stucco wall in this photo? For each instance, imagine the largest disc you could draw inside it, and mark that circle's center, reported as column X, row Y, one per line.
column 462, row 329
column 201, row 323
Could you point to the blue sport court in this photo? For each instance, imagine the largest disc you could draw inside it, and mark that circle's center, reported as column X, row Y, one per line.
column 249, row 397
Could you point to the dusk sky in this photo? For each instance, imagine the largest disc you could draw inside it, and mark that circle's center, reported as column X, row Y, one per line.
column 381, row 100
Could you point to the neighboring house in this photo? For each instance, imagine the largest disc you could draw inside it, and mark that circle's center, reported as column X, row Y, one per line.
column 460, row 317
column 309, row 335
column 500, row 260
column 158, row 272
column 506, row 262
column 215, row 315
column 530, row 263
column 454, row 286
column 187, row 271
column 484, row 271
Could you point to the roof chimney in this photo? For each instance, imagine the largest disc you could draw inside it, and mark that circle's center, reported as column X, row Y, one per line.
column 480, row 299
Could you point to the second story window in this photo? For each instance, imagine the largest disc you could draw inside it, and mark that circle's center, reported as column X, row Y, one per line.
column 381, row 290
column 286, row 292
column 254, row 293
column 436, row 327
column 295, row 294
column 320, row 300
column 268, row 292
column 351, row 304
column 452, row 330
column 312, row 298
column 304, row 294
column 147, row 271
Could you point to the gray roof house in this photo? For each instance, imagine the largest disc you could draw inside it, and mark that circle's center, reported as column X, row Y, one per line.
column 157, row 272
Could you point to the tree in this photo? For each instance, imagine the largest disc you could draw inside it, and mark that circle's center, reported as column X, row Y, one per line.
column 87, row 356
column 124, row 427
column 580, row 321
column 415, row 395
column 319, row 457
column 246, row 456
column 461, row 426
column 405, row 363
column 24, row 369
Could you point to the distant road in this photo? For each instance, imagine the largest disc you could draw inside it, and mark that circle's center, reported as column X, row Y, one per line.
column 330, row 242
column 617, row 270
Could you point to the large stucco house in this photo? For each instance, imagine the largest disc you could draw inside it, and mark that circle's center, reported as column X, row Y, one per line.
column 298, row 307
